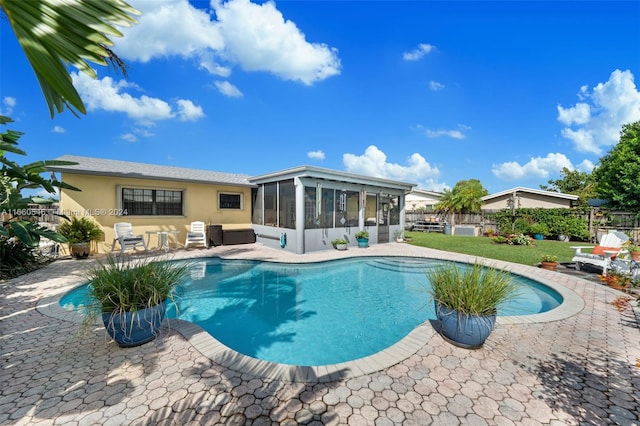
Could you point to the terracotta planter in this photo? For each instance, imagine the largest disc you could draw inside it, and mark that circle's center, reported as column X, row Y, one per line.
column 635, row 255
column 551, row 266
column 80, row 250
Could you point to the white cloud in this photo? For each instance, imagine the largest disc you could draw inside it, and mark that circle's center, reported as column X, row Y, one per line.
column 316, row 155
column 418, row 53
column 452, row 133
column 228, row 89
column 254, row 36
column 586, row 166
column 374, row 163
column 129, row 137
column 435, row 86
column 258, row 38
column 536, row 167
column 58, row 129
column 109, row 95
column 595, row 123
column 106, row 94
column 8, row 103
column 168, row 28
column 187, row 111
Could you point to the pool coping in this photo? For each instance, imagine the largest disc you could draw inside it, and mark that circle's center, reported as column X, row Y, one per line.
column 394, row 354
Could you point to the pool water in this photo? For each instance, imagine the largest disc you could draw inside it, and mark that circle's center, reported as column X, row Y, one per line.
column 320, row 313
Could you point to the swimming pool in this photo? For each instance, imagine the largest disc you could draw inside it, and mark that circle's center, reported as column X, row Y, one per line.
column 319, row 313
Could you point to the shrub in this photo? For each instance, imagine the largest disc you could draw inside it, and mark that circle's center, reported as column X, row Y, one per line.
column 499, row 239
column 362, row 234
column 339, row 241
column 549, row 258
column 80, row 230
column 17, row 258
column 520, row 240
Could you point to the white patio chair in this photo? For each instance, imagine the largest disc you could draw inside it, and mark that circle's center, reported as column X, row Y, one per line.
column 126, row 238
column 602, row 255
column 197, row 235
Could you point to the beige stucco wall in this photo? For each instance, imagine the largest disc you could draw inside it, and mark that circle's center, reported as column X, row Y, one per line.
column 98, row 199
column 527, row 200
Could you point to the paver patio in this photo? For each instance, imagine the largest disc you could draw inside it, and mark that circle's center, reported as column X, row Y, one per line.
column 577, row 370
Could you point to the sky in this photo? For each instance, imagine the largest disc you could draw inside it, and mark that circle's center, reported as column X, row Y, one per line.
column 425, row 92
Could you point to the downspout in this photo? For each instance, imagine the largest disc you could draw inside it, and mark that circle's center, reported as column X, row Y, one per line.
column 299, row 215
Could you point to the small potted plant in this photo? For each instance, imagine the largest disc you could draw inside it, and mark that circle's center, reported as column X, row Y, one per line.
column 634, row 250
column 339, row 244
column 539, row 230
column 80, row 232
column 398, row 234
column 131, row 297
column 466, row 300
column 549, row 262
column 489, row 232
column 363, row 238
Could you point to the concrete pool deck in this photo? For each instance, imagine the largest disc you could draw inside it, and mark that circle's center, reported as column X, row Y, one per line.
column 577, row 365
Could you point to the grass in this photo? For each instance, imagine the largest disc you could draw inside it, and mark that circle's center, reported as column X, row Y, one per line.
column 485, row 247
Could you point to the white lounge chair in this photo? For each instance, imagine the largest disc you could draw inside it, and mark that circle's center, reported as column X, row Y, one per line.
column 127, row 239
column 602, row 255
column 197, row 235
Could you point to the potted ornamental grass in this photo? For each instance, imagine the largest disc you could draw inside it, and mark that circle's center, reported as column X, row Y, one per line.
column 130, row 296
column 80, row 232
column 466, row 299
column 363, row 238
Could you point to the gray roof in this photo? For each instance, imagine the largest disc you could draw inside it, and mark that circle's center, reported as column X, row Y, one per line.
column 531, row 191
column 329, row 174
column 129, row 169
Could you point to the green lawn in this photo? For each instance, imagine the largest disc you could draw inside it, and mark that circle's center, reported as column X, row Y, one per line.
column 485, row 247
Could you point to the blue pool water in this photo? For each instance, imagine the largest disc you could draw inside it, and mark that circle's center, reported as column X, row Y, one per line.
column 320, row 313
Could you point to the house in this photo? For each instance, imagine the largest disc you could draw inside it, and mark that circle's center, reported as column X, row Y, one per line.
column 421, row 199
column 521, row 197
column 299, row 210
column 152, row 197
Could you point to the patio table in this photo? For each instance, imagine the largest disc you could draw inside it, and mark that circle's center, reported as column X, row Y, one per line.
column 163, row 238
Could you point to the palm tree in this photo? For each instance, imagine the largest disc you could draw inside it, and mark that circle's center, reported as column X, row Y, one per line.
column 465, row 197
column 54, row 34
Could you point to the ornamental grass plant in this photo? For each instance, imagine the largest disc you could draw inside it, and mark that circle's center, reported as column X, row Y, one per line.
column 126, row 286
column 473, row 290
column 118, row 287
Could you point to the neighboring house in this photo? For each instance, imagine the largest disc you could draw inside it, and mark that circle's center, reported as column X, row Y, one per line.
column 421, row 199
column 152, row 197
column 300, row 209
column 528, row 198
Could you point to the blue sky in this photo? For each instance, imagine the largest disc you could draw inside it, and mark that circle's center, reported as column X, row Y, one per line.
column 424, row 92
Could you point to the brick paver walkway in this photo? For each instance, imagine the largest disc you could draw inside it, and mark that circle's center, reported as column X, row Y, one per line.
column 578, row 370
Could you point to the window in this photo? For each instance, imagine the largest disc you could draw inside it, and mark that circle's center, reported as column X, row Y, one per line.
column 347, row 205
column 287, row 204
column 152, row 202
column 230, row 201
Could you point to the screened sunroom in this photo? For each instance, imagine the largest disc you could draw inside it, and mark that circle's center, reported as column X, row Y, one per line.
column 305, row 208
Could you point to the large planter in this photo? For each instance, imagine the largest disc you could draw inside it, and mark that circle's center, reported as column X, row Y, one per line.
column 130, row 329
column 551, row 266
column 464, row 330
column 80, row 250
column 363, row 242
column 341, row 247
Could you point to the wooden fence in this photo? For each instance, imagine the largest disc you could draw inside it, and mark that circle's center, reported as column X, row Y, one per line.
column 599, row 221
